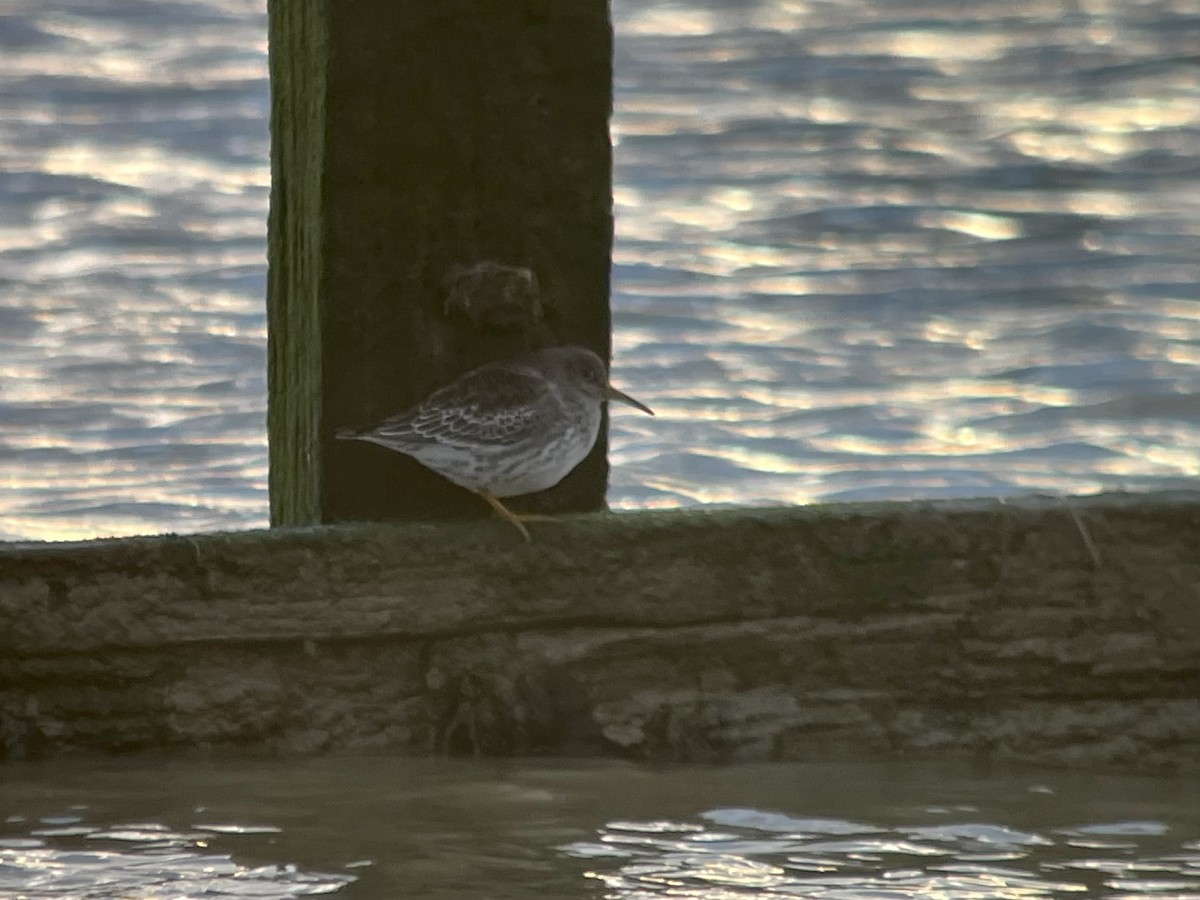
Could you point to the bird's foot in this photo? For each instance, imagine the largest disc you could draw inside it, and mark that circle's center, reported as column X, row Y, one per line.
column 518, row 519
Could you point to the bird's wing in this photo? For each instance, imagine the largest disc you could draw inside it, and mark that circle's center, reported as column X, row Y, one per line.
column 490, row 405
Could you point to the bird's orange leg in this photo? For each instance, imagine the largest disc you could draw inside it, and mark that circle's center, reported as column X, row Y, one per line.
column 518, row 519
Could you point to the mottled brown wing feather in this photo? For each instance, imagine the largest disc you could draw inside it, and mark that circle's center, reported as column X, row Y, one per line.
column 492, row 405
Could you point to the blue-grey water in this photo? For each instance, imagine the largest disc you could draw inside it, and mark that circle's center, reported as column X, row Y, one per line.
column 864, row 250
column 387, row 828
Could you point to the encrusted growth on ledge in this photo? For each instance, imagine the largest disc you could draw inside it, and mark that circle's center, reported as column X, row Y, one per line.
column 970, row 626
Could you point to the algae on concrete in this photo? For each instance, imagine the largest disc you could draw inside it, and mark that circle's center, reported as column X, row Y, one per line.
column 982, row 627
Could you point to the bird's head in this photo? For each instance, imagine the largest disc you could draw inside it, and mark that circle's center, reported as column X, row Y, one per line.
column 590, row 374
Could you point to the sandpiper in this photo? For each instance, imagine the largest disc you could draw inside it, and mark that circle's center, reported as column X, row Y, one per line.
column 507, row 428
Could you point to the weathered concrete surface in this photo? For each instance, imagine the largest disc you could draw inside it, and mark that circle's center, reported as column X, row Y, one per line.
column 977, row 626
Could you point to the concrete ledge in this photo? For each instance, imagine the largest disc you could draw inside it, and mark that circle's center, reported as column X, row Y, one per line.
column 1034, row 630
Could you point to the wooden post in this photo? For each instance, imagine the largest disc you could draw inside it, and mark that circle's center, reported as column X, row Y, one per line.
column 441, row 197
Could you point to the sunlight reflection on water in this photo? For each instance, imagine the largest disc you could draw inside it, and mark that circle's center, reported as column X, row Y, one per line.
column 862, row 251
column 387, row 827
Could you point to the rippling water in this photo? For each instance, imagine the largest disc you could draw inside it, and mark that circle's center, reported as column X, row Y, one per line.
column 864, row 250
column 388, row 828
column 745, row 852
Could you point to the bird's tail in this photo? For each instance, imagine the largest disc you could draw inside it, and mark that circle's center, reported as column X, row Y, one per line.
column 350, row 432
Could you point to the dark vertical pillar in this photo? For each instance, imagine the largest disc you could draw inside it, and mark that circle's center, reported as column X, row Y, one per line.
column 298, row 53
column 441, row 197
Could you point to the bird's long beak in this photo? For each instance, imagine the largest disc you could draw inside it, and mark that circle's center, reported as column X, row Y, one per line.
column 611, row 393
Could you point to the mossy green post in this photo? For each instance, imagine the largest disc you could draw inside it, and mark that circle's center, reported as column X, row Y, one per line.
column 441, row 196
